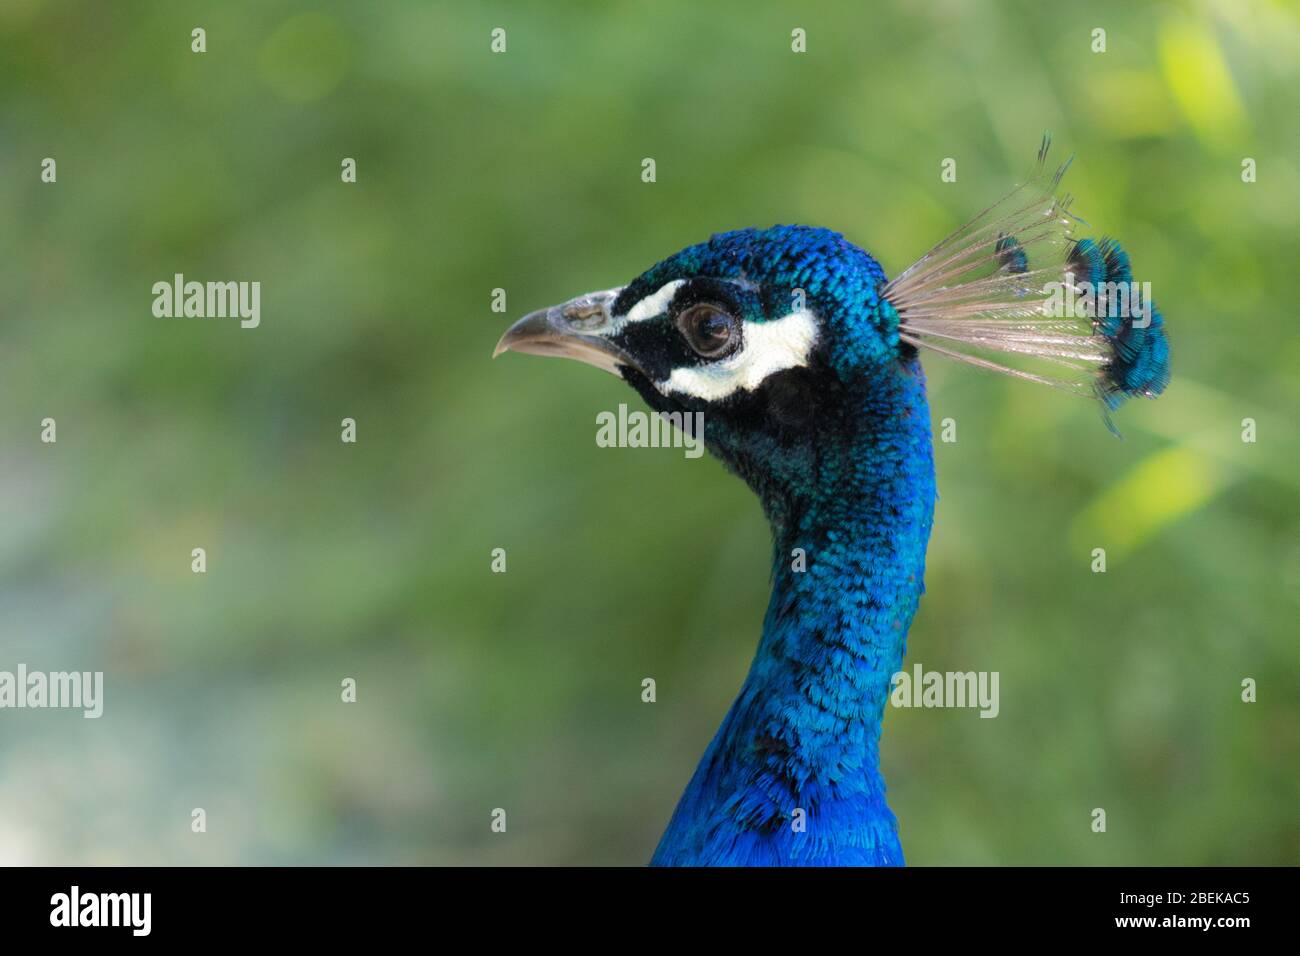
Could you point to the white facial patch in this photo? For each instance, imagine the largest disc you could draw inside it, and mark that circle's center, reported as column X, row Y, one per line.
column 766, row 348
column 654, row 304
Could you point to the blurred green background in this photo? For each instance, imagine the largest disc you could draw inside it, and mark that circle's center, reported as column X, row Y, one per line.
column 522, row 171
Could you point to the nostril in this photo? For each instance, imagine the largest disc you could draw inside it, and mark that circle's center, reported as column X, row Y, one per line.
column 584, row 316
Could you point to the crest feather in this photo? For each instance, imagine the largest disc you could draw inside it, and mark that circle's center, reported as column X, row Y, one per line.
column 1004, row 285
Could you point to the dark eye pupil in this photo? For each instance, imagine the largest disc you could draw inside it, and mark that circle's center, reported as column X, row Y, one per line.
column 713, row 330
column 708, row 330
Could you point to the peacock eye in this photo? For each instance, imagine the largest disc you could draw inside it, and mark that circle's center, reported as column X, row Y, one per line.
column 709, row 330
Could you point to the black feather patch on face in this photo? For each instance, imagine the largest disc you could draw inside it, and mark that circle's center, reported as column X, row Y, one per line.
column 791, row 398
column 658, row 343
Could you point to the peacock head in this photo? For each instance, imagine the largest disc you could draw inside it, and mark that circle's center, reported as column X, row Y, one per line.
column 768, row 335
column 795, row 351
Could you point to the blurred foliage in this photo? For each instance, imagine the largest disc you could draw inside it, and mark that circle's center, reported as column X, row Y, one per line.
column 522, row 171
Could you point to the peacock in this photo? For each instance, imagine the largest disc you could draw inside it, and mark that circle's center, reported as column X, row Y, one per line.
column 804, row 360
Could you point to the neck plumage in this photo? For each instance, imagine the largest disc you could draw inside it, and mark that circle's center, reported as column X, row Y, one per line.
column 792, row 776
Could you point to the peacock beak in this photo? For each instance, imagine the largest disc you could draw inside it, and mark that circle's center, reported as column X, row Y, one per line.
column 582, row 329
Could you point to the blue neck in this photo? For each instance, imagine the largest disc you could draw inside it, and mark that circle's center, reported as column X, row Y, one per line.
column 804, row 732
